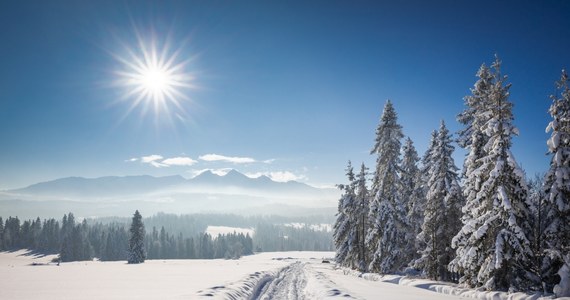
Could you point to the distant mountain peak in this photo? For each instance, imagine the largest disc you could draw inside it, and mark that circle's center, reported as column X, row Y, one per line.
column 264, row 178
column 205, row 173
column 235, row 173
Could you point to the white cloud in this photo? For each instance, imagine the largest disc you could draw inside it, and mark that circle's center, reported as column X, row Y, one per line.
column 179, row 161
column 158, row 161
column 256, row 174
column 235, row 160
column 153, row 160
column 284, row 176
column 279, row 176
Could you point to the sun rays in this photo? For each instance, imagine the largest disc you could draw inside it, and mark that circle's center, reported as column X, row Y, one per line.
column 154, row 78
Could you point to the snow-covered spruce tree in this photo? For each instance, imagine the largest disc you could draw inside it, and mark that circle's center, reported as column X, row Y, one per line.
column 426, row 160
column 424, row 177
column 473, row 139
column 443, row 208
column 541, row 264
column 344, row 228
column 136, row 240
column 413, row 194
column 557, row 179
column 388, row 233
column 353, row 207
column 362, row 204
column 492, row 247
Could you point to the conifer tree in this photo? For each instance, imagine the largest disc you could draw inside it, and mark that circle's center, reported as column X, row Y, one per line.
column 388, row 233
column 492, row 247
column 426, row 159
column 473, row 139
column 67, row 252
column 443, row 207
column 344, row 230
column 542, row 264
column 413, row 194
column 557, row 180
column 136, row 240
column 361, row 216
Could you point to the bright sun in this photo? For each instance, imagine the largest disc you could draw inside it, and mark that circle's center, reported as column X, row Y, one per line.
column 155, row 78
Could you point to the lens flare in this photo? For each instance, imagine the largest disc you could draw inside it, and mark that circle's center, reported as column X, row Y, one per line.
column 155, row 78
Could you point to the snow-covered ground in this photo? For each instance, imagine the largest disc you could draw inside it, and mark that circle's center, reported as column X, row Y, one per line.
column 272, row 275
column 214, row 231
column 316, row 227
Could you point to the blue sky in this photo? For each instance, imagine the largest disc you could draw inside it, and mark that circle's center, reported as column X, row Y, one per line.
column 295, row 86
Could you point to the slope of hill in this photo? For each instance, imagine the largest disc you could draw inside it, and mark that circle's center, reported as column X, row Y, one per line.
column 80, row 187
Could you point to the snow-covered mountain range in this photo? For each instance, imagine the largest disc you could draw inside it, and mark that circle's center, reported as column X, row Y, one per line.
column 205, row 182
column 207, row 191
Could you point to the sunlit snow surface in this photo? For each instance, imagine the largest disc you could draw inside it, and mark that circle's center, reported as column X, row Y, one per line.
column 316, row 227
column 217, row 230
column 272, row 275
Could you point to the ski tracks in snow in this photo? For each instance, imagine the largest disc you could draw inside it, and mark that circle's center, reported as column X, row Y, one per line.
column 297, row 281
column 289, row 283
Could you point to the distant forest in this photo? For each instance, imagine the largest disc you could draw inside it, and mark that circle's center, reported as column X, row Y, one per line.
column 167, row 236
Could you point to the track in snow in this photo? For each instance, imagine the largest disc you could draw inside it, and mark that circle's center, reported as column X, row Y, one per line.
column 289, row 283
column 297, row 281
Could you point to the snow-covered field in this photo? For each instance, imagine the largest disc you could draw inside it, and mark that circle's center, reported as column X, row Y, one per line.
column 316, row 227
column 217, row 230
column 272, row 275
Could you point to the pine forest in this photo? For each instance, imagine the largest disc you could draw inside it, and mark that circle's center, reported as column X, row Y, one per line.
column 486, row 225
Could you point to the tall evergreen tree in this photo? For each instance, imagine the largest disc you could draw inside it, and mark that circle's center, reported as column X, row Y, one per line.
column 388, row 233
column 492, row 247
column 136, row 240
column 345, row 226
column 85, row 248
column 557, row 179
column 67, row 252
column 443, row 208
column 424, row 177
column 361, row 216
column 473, row 139
column 413, row 194
column 426, row 159
column 36, row 232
